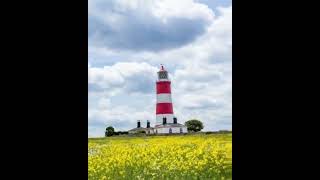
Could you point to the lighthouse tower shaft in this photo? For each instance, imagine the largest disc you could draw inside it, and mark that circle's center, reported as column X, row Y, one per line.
column 164, row 108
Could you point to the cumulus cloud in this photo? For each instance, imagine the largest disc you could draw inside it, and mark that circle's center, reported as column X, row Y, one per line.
column 214, row 46
column 122, row 117
column 129, row 77
column 146, row 25
column 122, row 82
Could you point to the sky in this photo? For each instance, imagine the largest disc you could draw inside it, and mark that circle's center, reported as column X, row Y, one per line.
column 129, row 39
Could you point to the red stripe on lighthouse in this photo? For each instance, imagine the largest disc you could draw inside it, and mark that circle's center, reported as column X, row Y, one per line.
column 164, row 108
column 163, row 87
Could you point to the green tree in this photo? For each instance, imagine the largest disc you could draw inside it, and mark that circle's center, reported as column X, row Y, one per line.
column 194, row 125
column 109, row 131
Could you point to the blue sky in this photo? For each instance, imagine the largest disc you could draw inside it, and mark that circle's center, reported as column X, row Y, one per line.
column 128, row 40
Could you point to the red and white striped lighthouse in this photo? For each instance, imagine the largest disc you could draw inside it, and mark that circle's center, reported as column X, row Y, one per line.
column 166, row 122
column 164, row 108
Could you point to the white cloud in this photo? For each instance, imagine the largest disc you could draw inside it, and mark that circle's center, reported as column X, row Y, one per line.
column 121, row 117
column 130, row 77
column 201, row 73
column 144, row 25
column 215, row 46
column 188, row 9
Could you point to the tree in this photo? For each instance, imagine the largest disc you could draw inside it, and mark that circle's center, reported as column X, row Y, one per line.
column 109, row 131
column 194, row 125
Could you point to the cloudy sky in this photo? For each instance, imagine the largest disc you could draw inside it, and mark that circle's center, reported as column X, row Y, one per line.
column 129, row 39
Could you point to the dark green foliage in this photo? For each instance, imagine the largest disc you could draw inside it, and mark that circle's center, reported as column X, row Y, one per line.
column 120, row 132
column 109, row 131
column 210, row 132
column 194, row 125
column 224, row 131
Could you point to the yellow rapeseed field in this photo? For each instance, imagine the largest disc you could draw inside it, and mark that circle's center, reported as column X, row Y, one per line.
column 161, row 157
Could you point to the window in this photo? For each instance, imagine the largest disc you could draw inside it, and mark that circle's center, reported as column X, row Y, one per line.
column 181, row 130
column 175, row 120
column 170, row 130
column 164, row 121
column 163, row 75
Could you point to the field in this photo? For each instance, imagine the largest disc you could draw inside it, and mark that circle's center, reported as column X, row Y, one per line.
column 161, row 157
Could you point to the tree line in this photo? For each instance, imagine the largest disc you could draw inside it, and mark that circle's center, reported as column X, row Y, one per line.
column 110, row 132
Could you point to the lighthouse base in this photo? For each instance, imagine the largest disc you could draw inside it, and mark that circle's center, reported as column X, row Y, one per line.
column 170, row 129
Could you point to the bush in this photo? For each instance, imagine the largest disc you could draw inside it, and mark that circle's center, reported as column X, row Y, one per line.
column 120, row 132
column 194, row 125
column 210, row 132
column 109, row 131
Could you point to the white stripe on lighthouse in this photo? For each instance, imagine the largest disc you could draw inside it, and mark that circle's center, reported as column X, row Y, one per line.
column 163, row 80
column 164, row 98
column 160, row 118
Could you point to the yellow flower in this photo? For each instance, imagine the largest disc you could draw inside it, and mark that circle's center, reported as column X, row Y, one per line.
column 160, row 157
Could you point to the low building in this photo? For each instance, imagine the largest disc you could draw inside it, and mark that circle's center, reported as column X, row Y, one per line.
column 164, row 128
column 139, row 129
column 170, row 128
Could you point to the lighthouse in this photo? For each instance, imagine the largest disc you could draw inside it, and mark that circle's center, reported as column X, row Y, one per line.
column 166, row 122
column 164, row 108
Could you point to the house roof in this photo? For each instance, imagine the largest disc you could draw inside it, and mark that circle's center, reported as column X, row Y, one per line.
column 170, row 125
column 137, row 129
column 140, row 129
